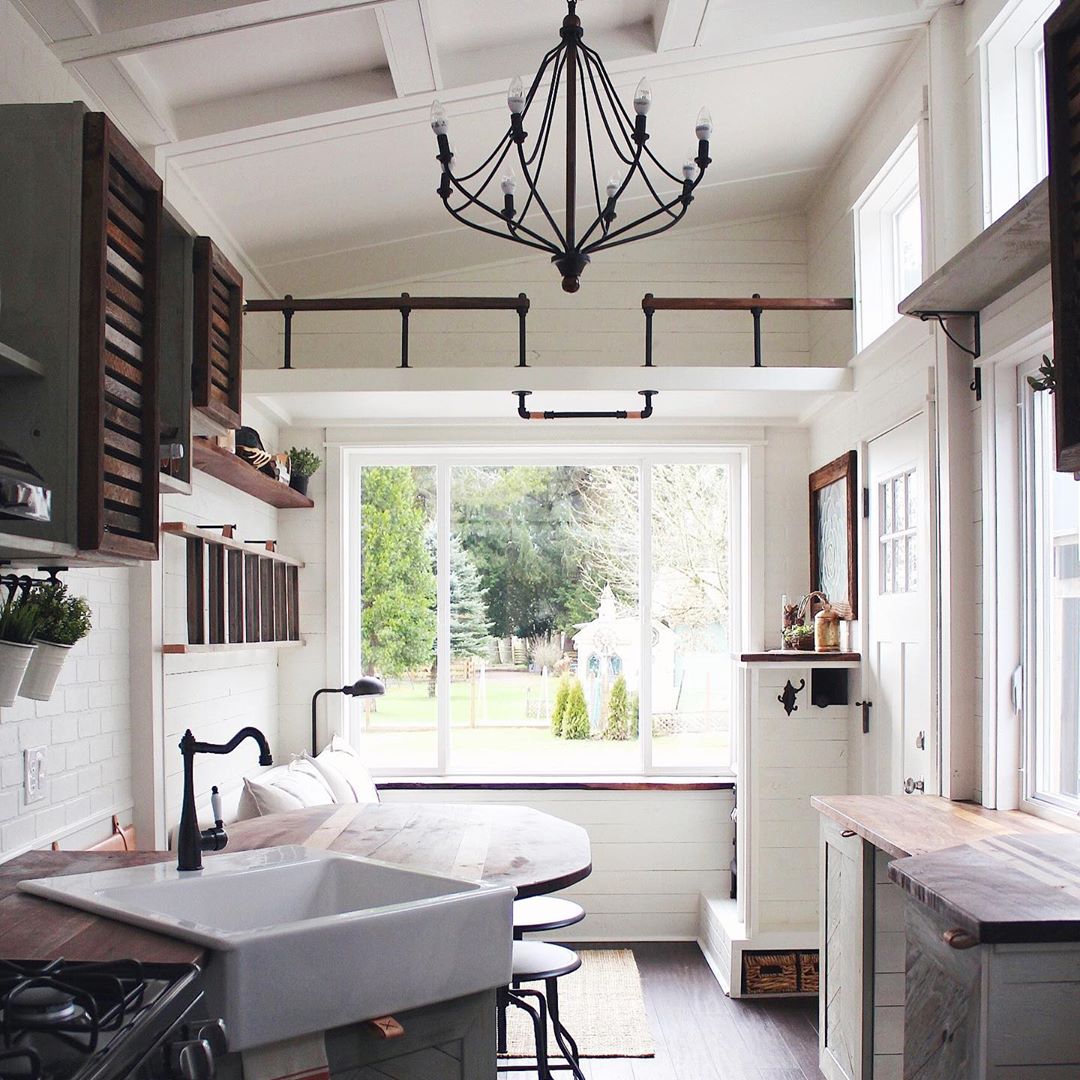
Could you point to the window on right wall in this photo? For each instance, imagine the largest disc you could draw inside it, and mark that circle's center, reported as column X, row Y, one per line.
column 1050, row 686
column 1013, row 64
column 888, row 241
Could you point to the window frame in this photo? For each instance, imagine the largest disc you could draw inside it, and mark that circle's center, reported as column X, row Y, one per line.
column 876, row 213
column 1035, row 447
column 444, row 459
column 1013, row 76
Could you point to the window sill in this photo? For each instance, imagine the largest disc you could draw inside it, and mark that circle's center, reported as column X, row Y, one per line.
column 555, row 783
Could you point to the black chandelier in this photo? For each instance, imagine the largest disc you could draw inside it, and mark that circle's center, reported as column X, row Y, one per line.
column 585, row 76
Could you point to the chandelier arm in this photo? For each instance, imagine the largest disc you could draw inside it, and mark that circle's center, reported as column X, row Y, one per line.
column 592, row 151
column 548, row 57
column 545, row 247
column 604, row 225
column 609, row 86
column 603, row 116
column 610, row 241
column 549, row 113
column 533, row 183
column 670, row 175
column 659, row 199
column 490, row 158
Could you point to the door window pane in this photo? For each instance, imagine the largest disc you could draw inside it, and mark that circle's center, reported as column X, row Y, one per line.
column 398, row 601
column 898, row 539
column 691, row 615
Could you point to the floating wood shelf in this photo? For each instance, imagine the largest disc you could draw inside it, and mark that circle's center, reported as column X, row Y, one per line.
column 15, row 363
column 209, row 458
column 229, row 646
column 1003, row 255
column 239, row 595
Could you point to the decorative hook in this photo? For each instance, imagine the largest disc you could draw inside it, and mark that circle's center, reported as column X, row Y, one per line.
column 787, row 698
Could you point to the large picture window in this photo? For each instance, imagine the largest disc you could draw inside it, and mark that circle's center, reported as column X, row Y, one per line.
column 1051, row 612
column 537, row 617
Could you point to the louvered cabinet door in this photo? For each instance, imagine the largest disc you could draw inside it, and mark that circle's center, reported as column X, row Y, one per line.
column 118, row 346
column 1063, row 114
column 219, row 320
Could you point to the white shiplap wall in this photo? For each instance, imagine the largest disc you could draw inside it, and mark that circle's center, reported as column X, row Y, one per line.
column 654, row 853
column 603, row 323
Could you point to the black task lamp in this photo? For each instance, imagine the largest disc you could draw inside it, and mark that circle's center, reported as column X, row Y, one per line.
column 365, row 686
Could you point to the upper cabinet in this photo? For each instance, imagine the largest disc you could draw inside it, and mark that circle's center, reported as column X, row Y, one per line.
column 119, row 447
column 80, row 295
column 1063, row 115
column 218, row 346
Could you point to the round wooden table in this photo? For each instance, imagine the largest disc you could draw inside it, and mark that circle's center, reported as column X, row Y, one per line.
column 501, row 845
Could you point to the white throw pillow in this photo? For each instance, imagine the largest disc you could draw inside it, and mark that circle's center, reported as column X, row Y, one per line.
column 342, row 759
column 287, row 787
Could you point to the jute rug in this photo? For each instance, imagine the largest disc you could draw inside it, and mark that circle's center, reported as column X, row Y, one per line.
column 601, row 1005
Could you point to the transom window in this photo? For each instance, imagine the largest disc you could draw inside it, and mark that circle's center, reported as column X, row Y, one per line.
column 898, row 535
column 888, row 241
column 533, row 616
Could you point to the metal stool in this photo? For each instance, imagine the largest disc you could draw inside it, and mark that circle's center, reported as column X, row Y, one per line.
column 540, row 961
column 538, row 914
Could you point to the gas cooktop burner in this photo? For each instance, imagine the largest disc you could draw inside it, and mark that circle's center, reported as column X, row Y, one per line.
column 41, row 1004
column 62, row 1020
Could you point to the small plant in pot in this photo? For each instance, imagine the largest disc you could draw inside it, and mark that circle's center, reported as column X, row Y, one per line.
column 799, row 637
column 18, row 624
column 303, row 464
column 62, row 620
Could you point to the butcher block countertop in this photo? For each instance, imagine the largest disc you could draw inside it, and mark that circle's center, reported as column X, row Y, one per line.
column 1002, row 889
column 36, row 929
column 906, row 825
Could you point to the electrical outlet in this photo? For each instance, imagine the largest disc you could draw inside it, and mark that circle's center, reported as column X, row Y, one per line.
column 34, row 774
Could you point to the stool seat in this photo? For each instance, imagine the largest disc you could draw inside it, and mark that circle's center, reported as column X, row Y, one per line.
column 536, row 960
column 538, row 913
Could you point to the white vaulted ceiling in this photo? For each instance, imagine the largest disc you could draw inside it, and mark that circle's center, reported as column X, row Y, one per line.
column 303, row 124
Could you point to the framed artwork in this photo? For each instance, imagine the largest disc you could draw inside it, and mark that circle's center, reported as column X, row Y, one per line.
column 833, row 537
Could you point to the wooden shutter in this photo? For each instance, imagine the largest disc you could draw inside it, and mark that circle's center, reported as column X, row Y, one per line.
column 1063, row 114
column 219, row 320
column 118, row 346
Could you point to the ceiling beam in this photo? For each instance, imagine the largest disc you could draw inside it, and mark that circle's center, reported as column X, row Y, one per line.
column 410, row 49
column 677, row 23
column 224, row 20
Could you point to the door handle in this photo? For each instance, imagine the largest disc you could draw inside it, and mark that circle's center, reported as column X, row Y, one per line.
column 911, row 786
column 865, row 705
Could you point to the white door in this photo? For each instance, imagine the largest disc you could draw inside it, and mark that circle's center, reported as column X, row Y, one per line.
column 898, row 621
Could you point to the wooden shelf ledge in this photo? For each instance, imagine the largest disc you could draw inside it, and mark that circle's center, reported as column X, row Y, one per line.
column 195, row 532
column 14, row 363
column 179, row 649
column 209, row 458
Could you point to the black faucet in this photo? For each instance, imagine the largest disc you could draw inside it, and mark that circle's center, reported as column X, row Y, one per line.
column 191, row 842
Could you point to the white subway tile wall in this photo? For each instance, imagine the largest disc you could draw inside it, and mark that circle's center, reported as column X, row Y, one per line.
column 85, row 727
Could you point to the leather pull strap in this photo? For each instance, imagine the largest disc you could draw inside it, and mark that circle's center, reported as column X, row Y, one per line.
column 386, row 1027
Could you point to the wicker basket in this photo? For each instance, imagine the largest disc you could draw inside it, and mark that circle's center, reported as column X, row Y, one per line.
column 808, row 972
column 770, row 973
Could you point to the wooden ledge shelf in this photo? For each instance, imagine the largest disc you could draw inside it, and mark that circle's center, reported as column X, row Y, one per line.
column 228, row 646
column 215, row 536
column 209, row 458
column 15, row 363
column 799, row 656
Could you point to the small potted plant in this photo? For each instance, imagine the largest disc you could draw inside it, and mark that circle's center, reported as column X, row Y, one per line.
column 62, row 620
column 18, row 624
column 303, row 464
column 799, row 637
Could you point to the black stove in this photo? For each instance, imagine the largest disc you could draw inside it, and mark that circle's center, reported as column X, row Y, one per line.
column 72, row 1020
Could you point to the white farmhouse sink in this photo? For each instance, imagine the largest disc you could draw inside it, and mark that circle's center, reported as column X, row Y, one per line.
column 305, row 940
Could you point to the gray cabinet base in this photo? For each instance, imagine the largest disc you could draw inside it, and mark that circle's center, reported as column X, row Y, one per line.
column 454, row 1040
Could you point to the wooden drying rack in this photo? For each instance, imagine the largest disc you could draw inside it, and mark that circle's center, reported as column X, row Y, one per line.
column 238, row 594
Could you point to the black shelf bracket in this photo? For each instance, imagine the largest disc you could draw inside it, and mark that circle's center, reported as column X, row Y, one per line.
column 976, row 336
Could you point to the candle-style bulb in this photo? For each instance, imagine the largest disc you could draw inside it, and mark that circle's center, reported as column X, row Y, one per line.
column 704, row 127
column 689, row 169
column 515, row 96
column 643, row 97
column 509, row 183
column 613, row 186
column 439, row 122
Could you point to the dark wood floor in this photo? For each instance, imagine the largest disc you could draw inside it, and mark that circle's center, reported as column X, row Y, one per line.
column 701, row 1034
